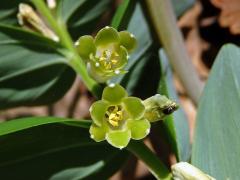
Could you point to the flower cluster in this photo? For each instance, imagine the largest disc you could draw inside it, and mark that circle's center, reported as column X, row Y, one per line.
column 107, row 53
column 118, row 118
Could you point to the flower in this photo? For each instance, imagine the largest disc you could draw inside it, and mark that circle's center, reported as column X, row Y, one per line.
column 107, row 53
column 118, row 118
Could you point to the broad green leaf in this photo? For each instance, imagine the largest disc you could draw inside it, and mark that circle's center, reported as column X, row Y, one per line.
column 123, row 14
column 43, row 147
column 26, row 123
column 8, row 11
column 216, row 147
column 99, row 170
column 78, row 173
column 32, row 71
column 176, row 125
column 81, row 16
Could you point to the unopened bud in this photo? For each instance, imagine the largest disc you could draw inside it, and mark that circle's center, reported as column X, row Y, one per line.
column 158, row 107
column 29, row 19
column 186, row 171
column 51, row 4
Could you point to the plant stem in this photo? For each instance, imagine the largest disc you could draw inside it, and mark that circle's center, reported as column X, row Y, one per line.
column 155, row 166
column 165, row 23
column 74, row 60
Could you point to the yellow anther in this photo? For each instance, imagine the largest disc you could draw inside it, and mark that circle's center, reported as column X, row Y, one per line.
column 120, row 113
column 113, row 123
column 102, row 59
column 108, row 59
column 114, row 115
column 114, row 61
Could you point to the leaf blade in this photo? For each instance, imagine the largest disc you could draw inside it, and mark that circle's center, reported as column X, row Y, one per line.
column 217, row 125
column 35, row 74
column 39, row 147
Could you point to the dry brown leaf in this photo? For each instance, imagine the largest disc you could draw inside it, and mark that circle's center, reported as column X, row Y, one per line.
column 230, row 14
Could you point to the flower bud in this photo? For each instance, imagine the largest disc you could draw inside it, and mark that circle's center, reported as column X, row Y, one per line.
column 29, row 19
column 158, row 107
column 186, row 171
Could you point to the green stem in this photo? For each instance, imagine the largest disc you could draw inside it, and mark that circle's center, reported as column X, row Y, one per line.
column 74, row 59
column 155, row 166
column 165, row 24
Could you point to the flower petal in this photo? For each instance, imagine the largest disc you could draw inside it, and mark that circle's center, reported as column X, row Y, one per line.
column 128, row 40
column 123, row 57
column 114, row 94
column 119, row 139
column 98, row 133
column 97, row 111
column 107, row 36
column 134, row 107
column 97, row 73
column 85, row 46
column 139, row 129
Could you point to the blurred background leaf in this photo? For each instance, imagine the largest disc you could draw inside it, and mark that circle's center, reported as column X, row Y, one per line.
column 181, row 7
column 32, row 71
column 8, row 11
column 147, row 72
column 82, row 16
column 216, row 145
column 177, row 123
column 39, row 147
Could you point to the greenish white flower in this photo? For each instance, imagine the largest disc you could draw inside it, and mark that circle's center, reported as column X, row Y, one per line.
column 107, row 54
column 117, row 118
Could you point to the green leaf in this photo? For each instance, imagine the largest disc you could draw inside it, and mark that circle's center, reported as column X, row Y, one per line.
column 32, row 71
column 78, row 173
column 144, row 42
column 216, row 147
column 123, row 14
column 8, row 11
column 81, row 16
column 181, row 6
column 26, row 123
column 39, row 147
column 177, row 127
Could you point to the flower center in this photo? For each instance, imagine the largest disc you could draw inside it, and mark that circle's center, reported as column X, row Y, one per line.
column 108, row 59
column 114, row 115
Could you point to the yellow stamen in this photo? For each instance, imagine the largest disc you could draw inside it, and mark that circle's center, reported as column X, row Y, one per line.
column 114, row 115
column 113, row 123
column 114, row 61
column 108, row 59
